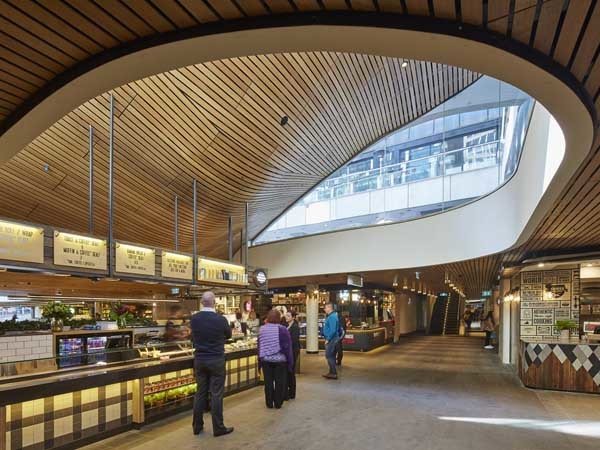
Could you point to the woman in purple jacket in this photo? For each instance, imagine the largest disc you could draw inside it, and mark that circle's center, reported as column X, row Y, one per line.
column 275, row 358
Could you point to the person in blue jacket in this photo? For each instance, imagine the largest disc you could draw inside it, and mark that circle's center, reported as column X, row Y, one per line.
column 332, row 337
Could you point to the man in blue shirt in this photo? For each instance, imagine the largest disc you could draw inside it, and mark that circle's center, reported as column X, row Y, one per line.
column 332, row 337
column 209, row 333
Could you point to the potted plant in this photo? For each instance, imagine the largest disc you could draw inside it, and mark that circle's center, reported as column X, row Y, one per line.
column 56, row 312
column 565, row 326
column 121, row 314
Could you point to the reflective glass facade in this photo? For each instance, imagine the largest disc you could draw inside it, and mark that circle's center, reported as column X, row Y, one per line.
column 461, row 150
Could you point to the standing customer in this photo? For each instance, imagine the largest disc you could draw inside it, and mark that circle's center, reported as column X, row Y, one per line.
column 339, row 351
column 294, row 330
column 275, row 358
column 489, row 326
column 209, row 333
column 331, row 333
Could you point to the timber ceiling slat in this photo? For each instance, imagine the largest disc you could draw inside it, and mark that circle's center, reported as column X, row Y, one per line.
column 201, row 12
column 589, row 44
column 219, row 122
column 227, row 9
column 120, row 12
column 547, row 23
column 174, row 13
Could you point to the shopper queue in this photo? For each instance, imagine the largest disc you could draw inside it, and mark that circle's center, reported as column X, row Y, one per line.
column 278, row 358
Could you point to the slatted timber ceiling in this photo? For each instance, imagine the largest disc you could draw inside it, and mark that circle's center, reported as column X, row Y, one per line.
column 221, row 123
column 42, row 40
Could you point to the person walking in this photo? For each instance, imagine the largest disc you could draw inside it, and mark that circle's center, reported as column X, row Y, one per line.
column 339, row 351
column 209, row 333
column 331, row 333
column 489, row 326
column 294, row 329
column 468, row 318
column 275, row 358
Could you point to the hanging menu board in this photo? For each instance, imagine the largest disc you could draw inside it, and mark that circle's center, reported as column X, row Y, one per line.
column 221, row 272
column 178, row 266
column 79, row 251
column 21, row 242
column 135, row 260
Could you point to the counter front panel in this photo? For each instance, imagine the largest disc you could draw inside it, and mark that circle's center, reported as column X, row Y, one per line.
column 64, row 419
column 568, row 366
column 90, row 404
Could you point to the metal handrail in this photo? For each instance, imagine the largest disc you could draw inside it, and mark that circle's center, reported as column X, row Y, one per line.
column 388, row 170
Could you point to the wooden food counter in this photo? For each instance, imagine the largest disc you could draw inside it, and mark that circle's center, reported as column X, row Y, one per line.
column 73, row 407
column 560, row 365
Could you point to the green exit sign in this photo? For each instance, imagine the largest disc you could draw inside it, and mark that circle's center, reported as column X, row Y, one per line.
column 486, row 293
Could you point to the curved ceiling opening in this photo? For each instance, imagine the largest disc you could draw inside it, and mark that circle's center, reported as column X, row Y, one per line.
column 461, row 150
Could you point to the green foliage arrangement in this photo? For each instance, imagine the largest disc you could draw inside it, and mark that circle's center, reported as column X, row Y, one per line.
column 23, row 325
column 565, row 325
column 57, row 311
column 78, row 323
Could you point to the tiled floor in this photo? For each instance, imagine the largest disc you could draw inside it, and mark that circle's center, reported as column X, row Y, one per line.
column 427, row 393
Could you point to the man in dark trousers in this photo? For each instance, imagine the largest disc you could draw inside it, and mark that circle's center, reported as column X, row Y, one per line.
column 209, row 333
column 339, row 351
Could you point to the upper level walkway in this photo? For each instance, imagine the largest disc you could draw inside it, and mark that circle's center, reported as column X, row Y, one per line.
column 427, row 393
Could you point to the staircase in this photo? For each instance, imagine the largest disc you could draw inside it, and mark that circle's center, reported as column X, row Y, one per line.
column 438, row 316
column 452, row 319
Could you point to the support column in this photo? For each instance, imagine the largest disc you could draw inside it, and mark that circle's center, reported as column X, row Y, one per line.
column 312, row 319
column 398, row 297
column 504, row 343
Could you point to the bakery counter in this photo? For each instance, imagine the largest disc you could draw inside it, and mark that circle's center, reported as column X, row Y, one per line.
column 564, row 365
column 73, row 407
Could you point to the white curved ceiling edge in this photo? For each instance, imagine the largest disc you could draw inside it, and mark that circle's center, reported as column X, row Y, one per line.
column 558, row 98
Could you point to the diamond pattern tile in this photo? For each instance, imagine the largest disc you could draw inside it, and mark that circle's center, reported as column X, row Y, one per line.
column 580, row 356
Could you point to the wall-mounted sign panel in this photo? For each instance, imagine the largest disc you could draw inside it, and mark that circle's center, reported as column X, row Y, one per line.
column 355, row 280
column 221, row 272
column 135, row 260
column 177, row 266
column 79, row 251
column 21, row 242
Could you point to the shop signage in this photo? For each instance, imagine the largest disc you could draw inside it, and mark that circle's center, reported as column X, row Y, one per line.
column 135, row 260
column 260, row 277
column 79, row 251
column 486, row 293
column 178, row 266
column 355, row 280
column 21, row 243
column 348, row 339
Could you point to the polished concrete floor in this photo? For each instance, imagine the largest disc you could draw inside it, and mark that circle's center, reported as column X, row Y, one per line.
column 428, row 392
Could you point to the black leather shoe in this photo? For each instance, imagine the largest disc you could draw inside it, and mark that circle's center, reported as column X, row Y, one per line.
column 224, row 431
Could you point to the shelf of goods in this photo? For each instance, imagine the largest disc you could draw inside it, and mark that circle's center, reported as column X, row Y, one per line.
column 96, row 402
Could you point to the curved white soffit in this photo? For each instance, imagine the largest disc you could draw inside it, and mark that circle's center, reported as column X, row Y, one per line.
column 489, row 225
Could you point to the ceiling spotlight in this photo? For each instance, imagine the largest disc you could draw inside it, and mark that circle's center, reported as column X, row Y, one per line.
column 404, row 64
column 541, row 264
column 284, row 121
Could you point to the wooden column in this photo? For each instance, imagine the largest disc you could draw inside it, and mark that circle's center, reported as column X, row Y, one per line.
column 397, row 312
